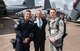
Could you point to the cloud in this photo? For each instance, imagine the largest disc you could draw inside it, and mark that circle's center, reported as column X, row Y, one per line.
column 60, row 1
column 13, row 2
column 40, row 2
column 53, row 0
column 71, row 3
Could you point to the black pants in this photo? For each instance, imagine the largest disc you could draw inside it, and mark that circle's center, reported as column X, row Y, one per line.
column 22, row 47
column 39, row 45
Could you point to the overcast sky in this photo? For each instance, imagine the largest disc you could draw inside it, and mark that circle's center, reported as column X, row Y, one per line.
column 59, row 3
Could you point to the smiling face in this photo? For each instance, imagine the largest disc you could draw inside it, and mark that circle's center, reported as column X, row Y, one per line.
column 27, row 14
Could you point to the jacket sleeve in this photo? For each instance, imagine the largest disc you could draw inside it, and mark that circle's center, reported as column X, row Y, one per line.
column 60, row 31
column 17, row 30
column 31, row 35
column 48, row 30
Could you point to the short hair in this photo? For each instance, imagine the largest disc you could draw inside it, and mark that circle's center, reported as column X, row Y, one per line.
column 39, row 11
column 52, row 9
column 27, row 10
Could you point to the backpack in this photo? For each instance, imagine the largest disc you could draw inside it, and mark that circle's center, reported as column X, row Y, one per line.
column 57, row 25
column 64, row 35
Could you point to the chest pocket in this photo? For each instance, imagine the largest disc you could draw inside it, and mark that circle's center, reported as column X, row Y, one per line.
column 53, row 25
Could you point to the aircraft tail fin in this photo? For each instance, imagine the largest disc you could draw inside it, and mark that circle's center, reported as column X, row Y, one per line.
column 29, row 3
column 47, row 5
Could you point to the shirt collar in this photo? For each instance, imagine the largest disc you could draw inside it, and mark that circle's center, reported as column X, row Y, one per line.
column 37, row 19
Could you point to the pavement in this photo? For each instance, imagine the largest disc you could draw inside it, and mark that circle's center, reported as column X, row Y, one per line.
column 71, row 42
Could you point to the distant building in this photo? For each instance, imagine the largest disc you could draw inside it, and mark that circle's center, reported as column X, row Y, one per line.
column 65, row 7
column 53, row 5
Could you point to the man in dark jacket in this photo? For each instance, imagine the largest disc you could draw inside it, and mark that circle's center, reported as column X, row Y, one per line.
column 24, row 32
column 39, row 31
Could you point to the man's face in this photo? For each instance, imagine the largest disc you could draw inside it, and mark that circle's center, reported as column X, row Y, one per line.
column 38, row 14
column 52, row 13
column 27, row 15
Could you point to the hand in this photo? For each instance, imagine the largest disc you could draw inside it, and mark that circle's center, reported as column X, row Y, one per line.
column 52, row 40
column 26, row 40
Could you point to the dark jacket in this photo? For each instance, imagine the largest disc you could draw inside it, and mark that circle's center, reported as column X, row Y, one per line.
column 39, row 33
column 23, row 30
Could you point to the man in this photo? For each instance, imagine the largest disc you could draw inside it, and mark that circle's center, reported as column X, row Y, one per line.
column 24, row 32
column 39, row 31
column 56, row 29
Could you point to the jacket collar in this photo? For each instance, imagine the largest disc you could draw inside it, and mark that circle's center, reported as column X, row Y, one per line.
column 51, row 20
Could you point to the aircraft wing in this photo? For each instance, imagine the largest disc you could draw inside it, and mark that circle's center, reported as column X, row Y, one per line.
column 28, row 7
